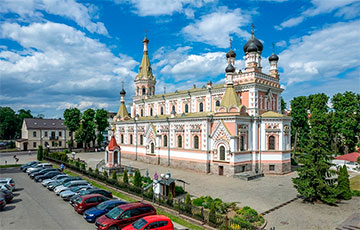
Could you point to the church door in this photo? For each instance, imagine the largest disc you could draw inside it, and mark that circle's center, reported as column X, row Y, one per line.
column 152, row 148
column 116, row 153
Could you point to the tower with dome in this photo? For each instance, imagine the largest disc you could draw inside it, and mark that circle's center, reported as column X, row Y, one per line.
column 222, row 129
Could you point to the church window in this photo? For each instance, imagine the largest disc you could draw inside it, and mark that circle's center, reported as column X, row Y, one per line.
column 151, row 111
column 107, row 156
column 201, row 107
column 162, row 110
column 186, row 108
column 141, row 113
column 122, row 138
column 217, row 103
column 141, row 139
column 131, row 139
column 165, row 141
column 143, row 90
column 222, row 153
column 173, row 108
column 116, row 153
column 271, row 143
column 180, row 141
column 242, row 143
column 152, row 147
column 196, row 142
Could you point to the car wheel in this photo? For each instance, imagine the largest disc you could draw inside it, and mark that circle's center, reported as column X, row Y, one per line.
column 114, row 227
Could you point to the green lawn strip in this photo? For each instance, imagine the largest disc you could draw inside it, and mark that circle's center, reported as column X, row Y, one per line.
column 178, row 220
column 355, row 183
column 10, row 166
column 8, row 150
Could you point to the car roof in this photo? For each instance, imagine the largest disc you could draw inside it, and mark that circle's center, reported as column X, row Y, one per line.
column 113, row 201
column 90, row 195
column 156, row 217
column 133, row 205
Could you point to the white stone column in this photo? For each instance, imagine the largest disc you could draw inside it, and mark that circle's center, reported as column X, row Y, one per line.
column 281, row 138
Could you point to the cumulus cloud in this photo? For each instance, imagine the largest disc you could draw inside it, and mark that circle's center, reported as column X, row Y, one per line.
column 322, row 54
column 217, row 27
column 346, row 8
column 60, row 64
column 164, row 7
column 70, row 9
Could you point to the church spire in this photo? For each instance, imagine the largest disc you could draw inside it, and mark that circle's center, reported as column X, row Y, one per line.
column 122, row 113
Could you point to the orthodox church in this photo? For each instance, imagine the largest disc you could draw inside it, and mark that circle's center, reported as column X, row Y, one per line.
column 221, row 129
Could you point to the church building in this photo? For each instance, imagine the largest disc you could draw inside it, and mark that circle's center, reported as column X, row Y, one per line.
column 221, row 129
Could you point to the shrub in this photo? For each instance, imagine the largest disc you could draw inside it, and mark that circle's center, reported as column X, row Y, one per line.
column 343, row 185
column 179, row 190
column 126, row 177
column 40, row 153
column 355, row 193
column 293, row 162
column 114, row 176
column 248, row 214
column 11, row 145
column 137, row 179
column 212, row 213
column 188, row 203
column 198, row 201
column 83, row 166
column 96, row 171
column 105, row 174
column 77, row 164
column 46, row 152
column 170, row 199
column 146, row 180
column 90, row 170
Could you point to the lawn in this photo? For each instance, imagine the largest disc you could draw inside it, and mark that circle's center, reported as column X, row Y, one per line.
column 355, row 183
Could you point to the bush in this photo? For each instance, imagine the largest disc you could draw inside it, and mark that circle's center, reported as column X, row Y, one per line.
column 83, row 166
column 114, row 176
column 40, row 153
column 77, row 164
column 188, row 203
column 90, row 170
column 46, row 152
column 96, row 171
column 179, row 190
column 126, row 177
column 198, row 201
column 355, row 193
column 212, row 213
column 106, row 174
column 11, row 145
column 170, row 199
column 343, row 185
column 293, row 162
column 137, row 179
column 248, row 214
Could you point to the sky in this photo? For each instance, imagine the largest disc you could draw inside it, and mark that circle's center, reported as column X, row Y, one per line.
column 57, row 54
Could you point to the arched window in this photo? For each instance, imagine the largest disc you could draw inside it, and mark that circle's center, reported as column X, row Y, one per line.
column 143, row 90
column 196, row 142
column 141, row 113
column 152, row 148
column 201, row 107
column 116, row 157
column 107, row 156
column 122, row 138
column 151, row 111
column 217, row 103
column 131, row 139
column 271, row 143
column 141, row 139
column 242, row 143
column 162, row 110
column 180, row 141
column 173, row 108
column 165, row 141
column 222, row 153
column 186, row 108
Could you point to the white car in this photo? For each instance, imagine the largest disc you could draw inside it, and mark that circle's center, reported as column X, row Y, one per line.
column 57, row 177
column 8, row 181
column 69, row 185
column 39, row 166
column 4, row 187
column 67, row 194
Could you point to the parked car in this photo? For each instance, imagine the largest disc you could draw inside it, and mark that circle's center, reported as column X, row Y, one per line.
column 7, row 195
column 57, row 177
column 91, row 191
column 158, row 222
column 6, row 187
column 43, row 171
column 67, row 194
column 124, row 215
column 38, row 167
column 41, row 177
column 88, row 201
column 28, row 165
column 92, row 214
column 52, row 186
column 9, row 181
column 2, row 203
column 69, row 185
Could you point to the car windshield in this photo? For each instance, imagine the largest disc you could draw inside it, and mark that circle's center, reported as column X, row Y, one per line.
column 67, row 184
column 139, row 224
column 102, row 206
column 84, row 192
column 75, row 189
column 114, row 213
column 78, row 200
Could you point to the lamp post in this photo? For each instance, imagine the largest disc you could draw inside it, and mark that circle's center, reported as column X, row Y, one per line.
column 168, row 140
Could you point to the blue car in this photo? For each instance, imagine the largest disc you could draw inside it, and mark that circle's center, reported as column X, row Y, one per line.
column 92, row 214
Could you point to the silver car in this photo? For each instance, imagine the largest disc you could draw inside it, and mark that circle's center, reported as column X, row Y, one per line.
column 57, row 177
column 69, row 185
column 67, row 194
column 8, row 181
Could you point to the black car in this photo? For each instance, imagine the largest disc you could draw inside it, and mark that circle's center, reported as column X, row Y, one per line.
column 42, row 172
column 7, row 195
column 2, row 203
column 47, row 175
column 28, row 165
column 90, row 191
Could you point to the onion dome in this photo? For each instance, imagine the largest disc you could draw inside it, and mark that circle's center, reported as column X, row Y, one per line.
column 122, row 92
column 230, row 69
column 254, row 40
column 231, row 53
column 252, row 48
column 273, row 57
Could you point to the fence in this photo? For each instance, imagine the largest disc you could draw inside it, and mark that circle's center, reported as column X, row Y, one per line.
column 200, row 213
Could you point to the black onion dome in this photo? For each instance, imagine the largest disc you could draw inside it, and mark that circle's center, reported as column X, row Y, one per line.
column 257, row 43
column 230, row 69
column 231, row 53
column 273, row 57
column 122, row 92
column 252, row 48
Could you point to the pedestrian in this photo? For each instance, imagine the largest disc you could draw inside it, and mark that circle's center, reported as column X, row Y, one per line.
column 5, row 162
column 29, row 152
column 16, row 160
column 62, row 167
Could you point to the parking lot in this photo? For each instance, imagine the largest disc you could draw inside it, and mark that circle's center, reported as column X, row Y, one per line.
column 34, row 207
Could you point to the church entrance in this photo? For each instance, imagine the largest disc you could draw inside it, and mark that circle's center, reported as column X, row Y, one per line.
column 221, row 170
column 152, row 147
column 116, row 153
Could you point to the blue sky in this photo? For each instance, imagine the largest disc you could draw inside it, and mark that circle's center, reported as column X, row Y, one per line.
column 56, row 54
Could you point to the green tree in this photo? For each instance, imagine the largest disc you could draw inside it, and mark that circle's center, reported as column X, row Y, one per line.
column 72, row 121
column 188, row 203
column 40, row 153
column 313, row 181
column 101, row 124
column 106, row 174
column 22, row 114
column 346, row 119
column 137, row 179
column 283, row 105
column 299, row 123
column 212, row 213
column 126, row 177
column 343, row 186
column 88, row 125
column 8, row 123
column 114, row 176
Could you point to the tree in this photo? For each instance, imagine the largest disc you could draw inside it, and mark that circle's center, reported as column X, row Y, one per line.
column 126, row 177
column 88, row 125
column 101, row 124
column 22, row 114
column 137, row 179
column 346, row 119
column 114, row 176
column 343, row 186
column 40, row 153
column 188, row 203
column 313, row 181
column 72, row 121
column 283, row 105
column 299, row 123
column 8, row 123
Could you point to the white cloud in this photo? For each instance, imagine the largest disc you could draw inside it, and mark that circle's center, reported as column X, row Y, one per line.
column 346, row 8
column 70, row 9
column 165, row 7
column 322, row 54
column 215, row 28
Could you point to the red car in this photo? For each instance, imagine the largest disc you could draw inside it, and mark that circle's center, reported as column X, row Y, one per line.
column 124, row 215
column 88, row 201
column 158, row 222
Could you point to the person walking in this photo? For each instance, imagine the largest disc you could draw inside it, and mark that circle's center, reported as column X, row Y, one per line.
column 62, row 167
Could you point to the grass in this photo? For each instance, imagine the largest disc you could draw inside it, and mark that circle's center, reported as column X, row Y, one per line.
column 10, row 166
column 8, row 150
column 178, row 220
column 355, row 183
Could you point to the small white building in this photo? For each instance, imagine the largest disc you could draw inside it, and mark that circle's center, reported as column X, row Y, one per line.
column 350, row 160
